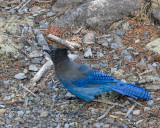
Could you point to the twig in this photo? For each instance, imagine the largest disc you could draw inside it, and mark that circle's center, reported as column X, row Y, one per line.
column 130, row 110
column 108, row 102
column 24, row 5
column 28, row 91
column 131, row 99
column 148, row 71
column 40, row 73
column 66, row 43
column 106, row 113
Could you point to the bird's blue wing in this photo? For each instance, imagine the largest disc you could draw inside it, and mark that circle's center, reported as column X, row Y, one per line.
column 93, row 79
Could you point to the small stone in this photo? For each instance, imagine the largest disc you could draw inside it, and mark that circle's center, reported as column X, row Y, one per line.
column 110, row 40
column 150, row 102
column 158, row 99
column 124, row 126
column 20, row 113
column 126, row 55
column 146, row 109
column 69, row 95
column 2, row 111
column 114, row 46
column 102, row 40
column 106, row 126
column 2, row 106
column 12, row 11
column 88, row 53
column 105, row 44
column 66, row 125
column 145, row 34
column 89, row 38
column 7, row 82
column 73, row 56
column 44, row 114
column 137, row 41
column 49, row 14
column 153, row 87
column 154, row 46
column 121, row 32
column 125, row 110
column 20, row 76
column 98, row 125
column 136, row 112
column 33, row 68
column 99, row 54
column 113, row 70
column 141, row 65
column 35, row 54
column 36, row 60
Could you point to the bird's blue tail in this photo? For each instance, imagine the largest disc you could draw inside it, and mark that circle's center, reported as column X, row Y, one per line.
column 131, row 90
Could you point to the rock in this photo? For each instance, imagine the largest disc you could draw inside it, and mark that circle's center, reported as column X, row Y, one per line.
column 49, row 14
column 88, row 53
column 150, row 102
column 72, row 56
column 2, row 111
column 93, row 14
column 124, row 126
column 125, row 110
column 36, row 60
column 137, row 41
column 44, row 114
column 33, row 68
column 35, row 54
column 141, row 66
column 146, row 109
column 121, row 32
column 106, row 126
column 93, row 110
column 99, row 54
column 113, row 70
column 154, row 46
column 117, row 39
column 69, row 95
column 20, row 76
column 98, row 125
column 89, row 38
column 102, row 40
column 20, row 113
column 119, row 74
column 153, row 87
column 155, row 13
column 136, row 112
column 114, row 46
column 126, row 55
column 105, row 44
column 66, row 125
column 145, row 34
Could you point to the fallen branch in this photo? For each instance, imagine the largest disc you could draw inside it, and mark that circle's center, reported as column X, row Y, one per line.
column 131, row 99
column 130, row 110
column 66, row 43
column 108, row 102
column 28, row 91
column 106, row 113
column 24, row 5
column 40, row 73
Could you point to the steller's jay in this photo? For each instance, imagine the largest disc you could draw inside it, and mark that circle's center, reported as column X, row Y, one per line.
column 85, row 82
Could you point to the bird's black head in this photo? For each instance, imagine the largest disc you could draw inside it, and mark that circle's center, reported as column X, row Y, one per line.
column 57, row 54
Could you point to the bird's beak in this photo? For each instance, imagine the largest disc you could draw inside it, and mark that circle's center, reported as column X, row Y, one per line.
column 47, row 50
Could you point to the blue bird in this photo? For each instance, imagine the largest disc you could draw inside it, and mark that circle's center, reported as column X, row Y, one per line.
column 85, row 82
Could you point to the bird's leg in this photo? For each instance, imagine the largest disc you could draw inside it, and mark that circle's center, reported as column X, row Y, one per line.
column 75, row 112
